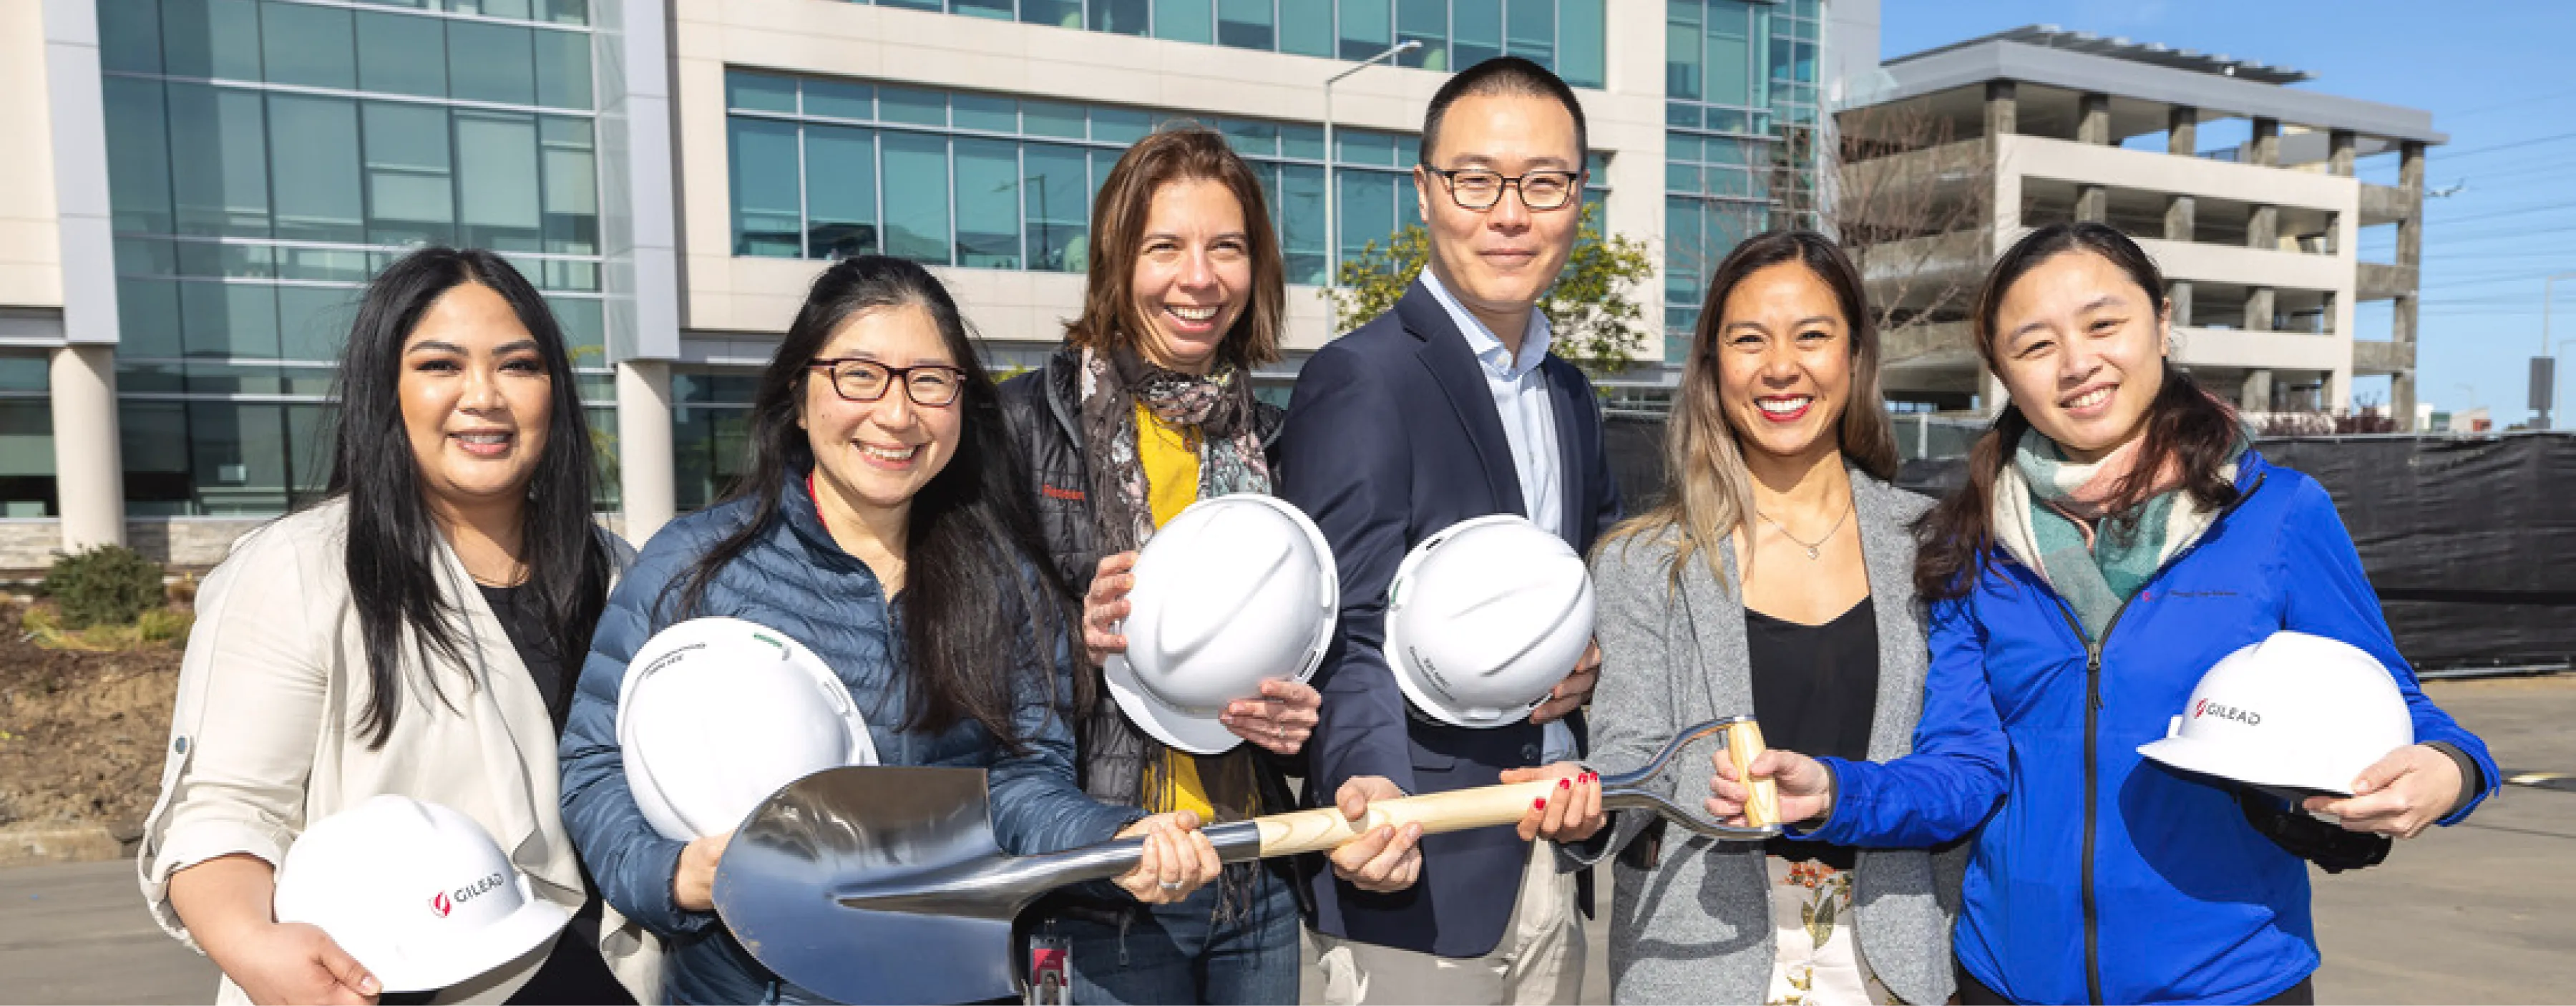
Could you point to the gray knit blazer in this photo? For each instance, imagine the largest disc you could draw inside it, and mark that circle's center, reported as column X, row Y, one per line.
column 1697, row 928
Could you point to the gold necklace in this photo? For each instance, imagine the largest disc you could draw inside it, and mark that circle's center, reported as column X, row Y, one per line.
column 1819, row 543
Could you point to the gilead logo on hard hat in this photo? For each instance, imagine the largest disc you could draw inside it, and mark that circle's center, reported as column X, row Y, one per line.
column 2204, row 707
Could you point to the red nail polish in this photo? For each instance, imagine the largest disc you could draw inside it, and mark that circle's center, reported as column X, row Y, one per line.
column 1563, row 783
column 1539, row 804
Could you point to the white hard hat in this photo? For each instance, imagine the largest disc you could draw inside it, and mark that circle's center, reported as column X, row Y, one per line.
column 716, row 714
column 1484, row 618
column 2294, row 712
column 416, row 891
column 1234, row 591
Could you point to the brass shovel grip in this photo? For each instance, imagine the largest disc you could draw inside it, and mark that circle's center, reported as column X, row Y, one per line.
column 1325, row 828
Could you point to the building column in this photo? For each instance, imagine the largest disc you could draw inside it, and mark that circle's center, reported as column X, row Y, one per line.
column 2256, row 396
column 2093, row 119
column 2265, row 148
column 2182, row 131
column 2410, row 255
column 2401, row 385
column 2003, row 108
column 1991, row 396
column 2263, row 228
column 2179, row 292
column 2339, row 153
column 2258, row 309
column 645, row 479
column 2181, row 218
column 89, row 469
column 2092, row 204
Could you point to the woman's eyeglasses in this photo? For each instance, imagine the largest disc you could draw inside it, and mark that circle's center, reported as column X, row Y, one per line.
column 858, row 379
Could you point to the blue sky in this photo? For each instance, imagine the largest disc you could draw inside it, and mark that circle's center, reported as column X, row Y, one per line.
column 2497, row 75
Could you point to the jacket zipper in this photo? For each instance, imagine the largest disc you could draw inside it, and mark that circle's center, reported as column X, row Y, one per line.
column 2092, row 742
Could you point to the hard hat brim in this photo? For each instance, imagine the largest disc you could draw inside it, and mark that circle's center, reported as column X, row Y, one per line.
column 1179, row 729
column 2200, row 757
column 425, row 969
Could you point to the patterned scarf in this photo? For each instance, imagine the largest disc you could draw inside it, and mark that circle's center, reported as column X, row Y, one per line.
column 2048, row 512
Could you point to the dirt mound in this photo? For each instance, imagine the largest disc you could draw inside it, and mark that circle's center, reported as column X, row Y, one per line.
column 81, row 734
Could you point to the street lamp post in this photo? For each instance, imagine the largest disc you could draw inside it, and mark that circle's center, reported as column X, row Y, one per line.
column 1332, row 225
column 2547, row 289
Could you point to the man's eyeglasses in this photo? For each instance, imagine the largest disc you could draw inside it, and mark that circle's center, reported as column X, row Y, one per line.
column 863, row 380
column 1480, row 189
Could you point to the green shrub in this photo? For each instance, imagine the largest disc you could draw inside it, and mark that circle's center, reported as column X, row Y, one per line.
column 165, row 625
column 107, row 585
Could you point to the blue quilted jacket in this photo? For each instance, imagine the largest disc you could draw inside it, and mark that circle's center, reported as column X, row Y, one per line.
column 796, row 580
column 2104, row 876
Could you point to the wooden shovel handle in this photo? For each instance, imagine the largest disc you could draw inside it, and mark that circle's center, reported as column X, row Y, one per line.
column 1743, row 744
column 1457, row 810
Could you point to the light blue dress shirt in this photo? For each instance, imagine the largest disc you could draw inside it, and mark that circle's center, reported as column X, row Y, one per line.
column 1529, row 424
column 1521, row 401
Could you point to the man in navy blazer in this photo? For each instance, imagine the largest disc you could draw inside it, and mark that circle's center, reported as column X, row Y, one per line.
column 1448, row 408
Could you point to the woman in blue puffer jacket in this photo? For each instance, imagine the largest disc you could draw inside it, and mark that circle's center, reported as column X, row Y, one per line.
column 881, row 525
column 2118, row 537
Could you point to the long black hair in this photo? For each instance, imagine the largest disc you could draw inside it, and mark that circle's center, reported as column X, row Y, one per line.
column 969, row 542
column 2186, row 428
column 393, row 541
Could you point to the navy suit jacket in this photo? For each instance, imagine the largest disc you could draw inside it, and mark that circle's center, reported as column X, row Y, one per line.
column 1391, row 437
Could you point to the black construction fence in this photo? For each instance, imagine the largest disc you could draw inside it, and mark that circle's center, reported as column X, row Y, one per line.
column 2469, row 540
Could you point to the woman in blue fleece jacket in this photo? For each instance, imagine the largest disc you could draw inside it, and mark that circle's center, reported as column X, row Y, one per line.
column 881, row 526
column 2118, row 537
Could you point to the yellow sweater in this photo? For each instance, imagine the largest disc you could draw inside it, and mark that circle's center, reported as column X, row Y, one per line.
column 1170, row 457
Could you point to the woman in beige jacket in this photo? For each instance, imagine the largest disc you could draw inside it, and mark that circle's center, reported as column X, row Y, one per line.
column 416, row 632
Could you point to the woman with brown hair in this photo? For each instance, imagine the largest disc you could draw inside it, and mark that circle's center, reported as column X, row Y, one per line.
column 2118, row 536
column 1777, row 581
column 1146, row 409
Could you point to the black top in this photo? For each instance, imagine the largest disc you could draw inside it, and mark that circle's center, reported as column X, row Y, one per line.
column 525, row 623
column 1815, row 689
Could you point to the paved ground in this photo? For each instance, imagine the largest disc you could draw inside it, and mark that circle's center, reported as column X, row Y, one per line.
column 2477, row 913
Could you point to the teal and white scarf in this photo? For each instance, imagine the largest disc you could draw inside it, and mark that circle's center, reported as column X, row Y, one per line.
column 2048, row 514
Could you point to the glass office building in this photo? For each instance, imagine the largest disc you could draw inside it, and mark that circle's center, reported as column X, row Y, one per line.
column 266, row 157
column 1740, row 141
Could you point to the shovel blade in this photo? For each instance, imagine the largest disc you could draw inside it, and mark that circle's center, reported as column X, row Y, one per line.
column 779, row 886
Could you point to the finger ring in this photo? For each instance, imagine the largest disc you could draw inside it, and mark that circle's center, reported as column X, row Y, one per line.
column 1171, row 885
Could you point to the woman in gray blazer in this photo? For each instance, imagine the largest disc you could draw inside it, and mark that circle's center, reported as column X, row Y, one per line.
column 1776, row 581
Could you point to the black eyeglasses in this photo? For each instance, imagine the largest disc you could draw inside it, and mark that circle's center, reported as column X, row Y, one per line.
column 862, row 380
column 1480, row 188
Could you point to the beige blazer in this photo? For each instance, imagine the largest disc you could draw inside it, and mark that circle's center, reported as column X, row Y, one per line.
column 265, row 737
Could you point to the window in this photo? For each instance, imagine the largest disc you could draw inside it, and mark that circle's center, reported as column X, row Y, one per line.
column 765, row 182
column 1060, row 13
column 983, row 181
column 216, row 39
column 1530, row 33
column 306, row 45
column 1477, row 27
column 26, row 439
column 1245, row 24
column 401, row 54
column 1426, row 22
column 1058, row 207
column 313, row 150
column 1184, row 20
column 491, row 62
column 1367, row 26
column 840, row 192
column 1121, row 17
column 410, row 176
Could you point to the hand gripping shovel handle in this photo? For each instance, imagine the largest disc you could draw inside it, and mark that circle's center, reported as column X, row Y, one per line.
column 1325, row 828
